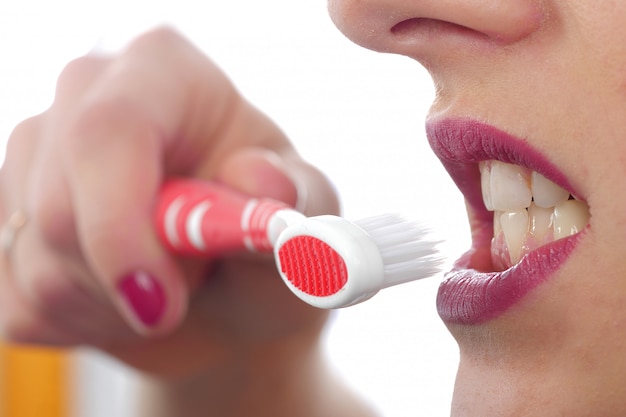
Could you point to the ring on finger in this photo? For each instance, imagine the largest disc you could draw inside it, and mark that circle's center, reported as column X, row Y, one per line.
column 10, row 230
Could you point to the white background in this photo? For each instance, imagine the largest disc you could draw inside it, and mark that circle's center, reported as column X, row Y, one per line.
column 356, row 114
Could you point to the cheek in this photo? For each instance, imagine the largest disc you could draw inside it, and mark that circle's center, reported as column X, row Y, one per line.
column 600, row 35
column 612, row 68
column 605, row 169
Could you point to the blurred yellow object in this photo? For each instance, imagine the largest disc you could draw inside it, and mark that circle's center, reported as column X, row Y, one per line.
column 33, row 382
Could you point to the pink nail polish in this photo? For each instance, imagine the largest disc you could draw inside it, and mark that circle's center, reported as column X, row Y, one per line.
column 144, row 295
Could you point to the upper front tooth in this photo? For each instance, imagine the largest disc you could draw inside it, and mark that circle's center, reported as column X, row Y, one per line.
column 485, row 183
column 509, row 187
column 545, row 192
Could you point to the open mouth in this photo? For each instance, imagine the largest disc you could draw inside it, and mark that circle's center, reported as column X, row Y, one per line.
column 530, row 211
column 526, row 219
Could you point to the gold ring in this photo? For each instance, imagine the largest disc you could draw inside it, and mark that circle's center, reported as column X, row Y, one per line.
column 10, row 230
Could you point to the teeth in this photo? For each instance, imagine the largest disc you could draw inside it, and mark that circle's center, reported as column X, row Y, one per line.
column 485, row 184
column 570, row 217
column 541, row 221
column 545, row 192
column 515, row 227
column 509, row 186
column 530, row 210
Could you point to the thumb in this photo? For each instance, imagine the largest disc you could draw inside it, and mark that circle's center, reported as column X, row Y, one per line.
column 282, row 175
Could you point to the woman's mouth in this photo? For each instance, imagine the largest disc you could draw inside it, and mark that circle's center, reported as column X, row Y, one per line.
column 526, row 219
column 530, row 211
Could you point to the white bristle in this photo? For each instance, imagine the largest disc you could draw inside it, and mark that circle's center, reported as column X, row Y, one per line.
column 407, row 247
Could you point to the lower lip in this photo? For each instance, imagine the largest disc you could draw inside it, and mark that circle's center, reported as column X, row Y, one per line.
column 470, row 297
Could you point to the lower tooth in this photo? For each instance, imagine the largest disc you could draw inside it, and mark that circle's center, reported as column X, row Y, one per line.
column 570, row 217
column 518, row 232
column 540, row 221
column 514, row 226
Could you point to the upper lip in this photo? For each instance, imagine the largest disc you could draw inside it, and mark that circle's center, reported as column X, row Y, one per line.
column 467, row 295
column 461, row 143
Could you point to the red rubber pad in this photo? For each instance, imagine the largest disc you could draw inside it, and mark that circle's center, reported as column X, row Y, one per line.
column 312, row 266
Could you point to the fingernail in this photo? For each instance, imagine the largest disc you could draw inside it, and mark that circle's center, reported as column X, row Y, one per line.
column 263, row 173
column 289, row 187
column 144, row 295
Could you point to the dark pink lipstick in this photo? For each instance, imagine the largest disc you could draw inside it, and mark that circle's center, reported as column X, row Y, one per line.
column 471, row 293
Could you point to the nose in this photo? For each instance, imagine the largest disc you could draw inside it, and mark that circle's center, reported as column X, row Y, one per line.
column 429, row 29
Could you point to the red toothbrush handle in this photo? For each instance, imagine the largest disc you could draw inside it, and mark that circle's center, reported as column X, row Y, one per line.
column 199, row 218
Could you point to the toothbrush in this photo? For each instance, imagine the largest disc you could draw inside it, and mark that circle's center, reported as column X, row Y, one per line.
column 327, row 261
column 330, row 262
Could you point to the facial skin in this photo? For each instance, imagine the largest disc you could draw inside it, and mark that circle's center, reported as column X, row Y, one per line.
column 553, row 74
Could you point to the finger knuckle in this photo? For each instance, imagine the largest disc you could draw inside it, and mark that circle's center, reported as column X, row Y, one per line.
column 21, row 137
column 25, row 128
column 97, row 122
column 19, row 151
column 162, row 36
column 78, row 73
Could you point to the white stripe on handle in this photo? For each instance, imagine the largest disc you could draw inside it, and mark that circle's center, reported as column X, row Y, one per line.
column 193, row 225
column 171, row 216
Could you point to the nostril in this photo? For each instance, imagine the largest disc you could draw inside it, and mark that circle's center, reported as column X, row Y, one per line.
column 408, row 26
column 430, row 30
column 426, row 28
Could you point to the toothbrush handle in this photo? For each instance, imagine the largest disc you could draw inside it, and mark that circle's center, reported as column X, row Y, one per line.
column 206, row 219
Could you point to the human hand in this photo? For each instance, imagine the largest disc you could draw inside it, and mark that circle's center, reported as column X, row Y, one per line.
column 87, row 267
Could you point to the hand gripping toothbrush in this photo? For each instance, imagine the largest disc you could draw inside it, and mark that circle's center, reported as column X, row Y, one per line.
column 327, row 261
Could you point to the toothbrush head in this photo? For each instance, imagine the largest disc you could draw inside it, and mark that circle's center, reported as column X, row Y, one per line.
column 330, row 262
